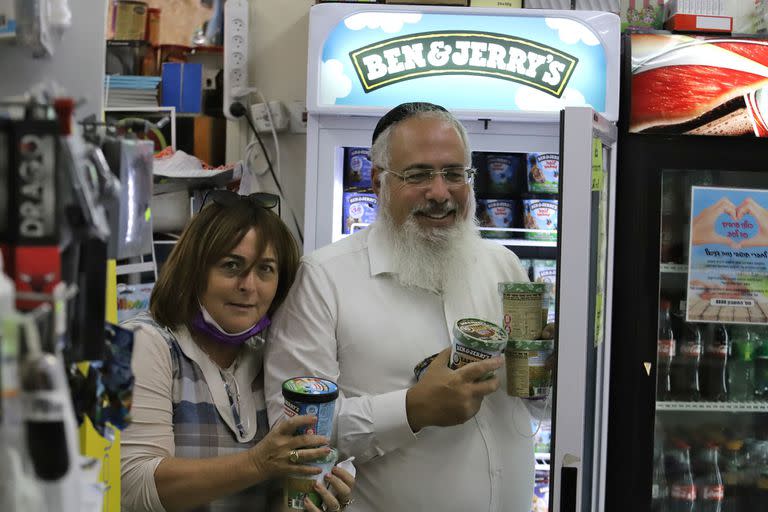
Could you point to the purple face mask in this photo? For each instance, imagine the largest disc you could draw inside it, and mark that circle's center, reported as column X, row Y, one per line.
column 205, row 324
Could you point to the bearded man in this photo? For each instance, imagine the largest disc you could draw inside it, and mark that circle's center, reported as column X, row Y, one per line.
column 365, row 310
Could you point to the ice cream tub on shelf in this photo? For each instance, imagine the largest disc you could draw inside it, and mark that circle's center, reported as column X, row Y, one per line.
column 357, row 167
column 545, row 271
column 543, row 172
column 498, row 213
column 540, row 213
column 358, row 210
column 504, row 172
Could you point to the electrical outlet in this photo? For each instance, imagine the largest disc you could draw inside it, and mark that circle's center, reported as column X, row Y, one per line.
column 297, row 116
column 261, row 119
column 235, row 53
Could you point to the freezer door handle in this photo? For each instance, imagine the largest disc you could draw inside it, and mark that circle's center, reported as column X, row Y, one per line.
column 568, row 479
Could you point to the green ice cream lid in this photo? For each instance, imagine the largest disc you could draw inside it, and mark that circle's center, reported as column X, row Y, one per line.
column 474, row 332
column 522, row 287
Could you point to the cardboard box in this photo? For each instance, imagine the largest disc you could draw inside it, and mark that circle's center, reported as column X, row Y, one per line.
column 700, row 23
column 182, row 86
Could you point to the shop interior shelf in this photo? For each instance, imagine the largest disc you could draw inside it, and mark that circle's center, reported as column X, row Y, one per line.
column 673, row 268
column 713, row 406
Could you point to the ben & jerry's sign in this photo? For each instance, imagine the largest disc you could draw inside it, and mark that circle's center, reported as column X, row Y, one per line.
column 464, row 53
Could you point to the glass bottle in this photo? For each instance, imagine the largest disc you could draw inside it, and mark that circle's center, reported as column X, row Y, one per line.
column 714, row 375
column 666, row 352
column 741, row 365
column 685, row 364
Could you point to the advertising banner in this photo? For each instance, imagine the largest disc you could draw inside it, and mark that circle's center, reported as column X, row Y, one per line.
column 480, row 62
column 699, row 86
column 728, row 269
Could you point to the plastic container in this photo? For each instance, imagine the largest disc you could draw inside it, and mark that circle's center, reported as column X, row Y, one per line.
column 476, row 340
column 504, row 173
column 357, row 208
column 527, row 373
column 524, row 309
column 540, row 213
column 543, row 170
column 298, row 487
column 498, row 213
column 311, row 396
column 357, row 168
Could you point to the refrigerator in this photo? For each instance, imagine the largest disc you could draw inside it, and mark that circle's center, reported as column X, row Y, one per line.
column 537, row 91
column 688, row 425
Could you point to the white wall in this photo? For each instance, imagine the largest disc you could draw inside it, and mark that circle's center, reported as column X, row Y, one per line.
column 278, row 67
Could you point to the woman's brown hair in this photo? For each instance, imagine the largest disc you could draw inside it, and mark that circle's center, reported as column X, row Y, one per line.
column 210, row 235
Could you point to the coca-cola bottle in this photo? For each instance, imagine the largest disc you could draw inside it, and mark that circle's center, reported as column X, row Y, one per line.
column 714, row 374
column 660, row 488
column 665, row 353
column 682, row 490
column 685, row 364
column 710, row 483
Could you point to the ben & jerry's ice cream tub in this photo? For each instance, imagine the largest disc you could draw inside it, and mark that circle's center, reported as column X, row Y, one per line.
column 312, row 396
column 475, row 340
column 357, row 208
column 522, row 305
column 358, row 168
column 297, row 487
column 540, row 213
column 543, row 172
column 504, row 172
column 527, row 372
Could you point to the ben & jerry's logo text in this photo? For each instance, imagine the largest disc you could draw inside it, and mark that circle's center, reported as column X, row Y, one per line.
column 463, row 53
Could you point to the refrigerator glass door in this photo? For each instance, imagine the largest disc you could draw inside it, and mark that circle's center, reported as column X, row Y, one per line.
column 711, row 426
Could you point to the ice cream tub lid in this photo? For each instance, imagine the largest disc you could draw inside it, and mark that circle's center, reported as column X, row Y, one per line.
column 522, row 287
column 473, row 332
column 310, row 389
column 531, row 345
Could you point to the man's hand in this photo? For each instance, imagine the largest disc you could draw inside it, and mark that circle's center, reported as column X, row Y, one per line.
column 445, row 397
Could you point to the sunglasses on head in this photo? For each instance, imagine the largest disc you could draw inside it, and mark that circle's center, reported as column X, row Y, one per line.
column 228, row 198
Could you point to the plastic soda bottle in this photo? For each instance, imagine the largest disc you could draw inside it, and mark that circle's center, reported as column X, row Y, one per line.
column 682, row 491
column 710, row 489
column 685, row 365
column 665, row 353
column 714, row 374
column 741, row 365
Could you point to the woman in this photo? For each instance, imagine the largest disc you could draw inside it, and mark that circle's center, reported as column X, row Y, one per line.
column 199, row 437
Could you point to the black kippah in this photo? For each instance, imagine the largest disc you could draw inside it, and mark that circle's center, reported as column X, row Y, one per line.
column 401, row 113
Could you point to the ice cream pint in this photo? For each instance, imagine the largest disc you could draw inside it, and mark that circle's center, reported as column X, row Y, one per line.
column 527, row 372
column 540, row 213
column 498, row 213
column 522, row 305
column 297, row 487
column 357, row 208
column 504, row 173
column 358, row 167
column 312, row 396
column 545, row 271
column 475, row 340
column 543, row 172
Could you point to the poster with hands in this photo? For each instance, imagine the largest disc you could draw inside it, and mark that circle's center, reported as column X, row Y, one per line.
column 728, row 267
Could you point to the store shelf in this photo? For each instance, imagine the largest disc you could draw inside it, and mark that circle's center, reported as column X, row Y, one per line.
column 542, row 461
column 673, row 268
column 713, row 406
column 519, row 242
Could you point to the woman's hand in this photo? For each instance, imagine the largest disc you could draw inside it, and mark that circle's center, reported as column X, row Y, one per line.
column 342, row 483
column 281, row 453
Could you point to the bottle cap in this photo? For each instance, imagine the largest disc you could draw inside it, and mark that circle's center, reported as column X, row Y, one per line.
column 734, row 445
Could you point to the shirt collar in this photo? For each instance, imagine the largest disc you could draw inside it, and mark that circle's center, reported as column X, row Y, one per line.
column 379, row 250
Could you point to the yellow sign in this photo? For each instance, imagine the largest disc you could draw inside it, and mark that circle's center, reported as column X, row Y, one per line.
column 597, row 164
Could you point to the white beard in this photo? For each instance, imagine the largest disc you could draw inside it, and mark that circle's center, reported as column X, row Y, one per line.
column 434, row 259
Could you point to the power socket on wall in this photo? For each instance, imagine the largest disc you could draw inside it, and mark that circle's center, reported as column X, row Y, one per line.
column 235, row 53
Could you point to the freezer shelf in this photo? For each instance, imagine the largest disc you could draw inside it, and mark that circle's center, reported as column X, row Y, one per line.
column 751, row 407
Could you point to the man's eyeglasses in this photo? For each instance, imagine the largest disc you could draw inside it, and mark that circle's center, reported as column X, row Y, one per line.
column 454, row 177
column 229, row 198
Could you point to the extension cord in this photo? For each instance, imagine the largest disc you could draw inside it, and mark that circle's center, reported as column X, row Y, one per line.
column 235, row 53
